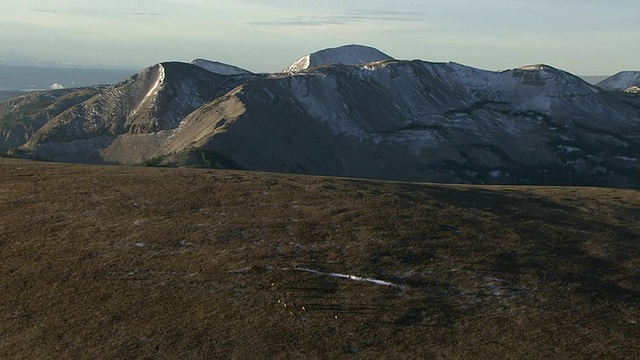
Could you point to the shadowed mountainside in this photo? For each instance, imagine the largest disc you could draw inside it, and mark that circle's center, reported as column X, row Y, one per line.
column 627, row 81
column 132, row 262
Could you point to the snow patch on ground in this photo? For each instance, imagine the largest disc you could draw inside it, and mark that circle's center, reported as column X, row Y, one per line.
column 351, row 277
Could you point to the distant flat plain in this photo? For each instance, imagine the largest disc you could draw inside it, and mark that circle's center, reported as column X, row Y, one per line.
column 18, row 79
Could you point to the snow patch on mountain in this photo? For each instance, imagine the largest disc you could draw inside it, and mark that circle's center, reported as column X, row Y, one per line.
column 531, row 67
column 157, row 85
column 301, row 64
column 159, row 76
column 219, row 68
column 346, row 55
column 633, row 90
column 621, row 81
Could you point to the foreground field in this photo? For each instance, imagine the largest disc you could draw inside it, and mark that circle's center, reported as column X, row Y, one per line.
column 131, row 262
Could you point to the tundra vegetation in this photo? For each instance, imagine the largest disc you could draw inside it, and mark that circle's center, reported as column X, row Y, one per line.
column 138, row 262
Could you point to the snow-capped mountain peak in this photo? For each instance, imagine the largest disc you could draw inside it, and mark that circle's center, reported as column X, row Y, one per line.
column 347, row 55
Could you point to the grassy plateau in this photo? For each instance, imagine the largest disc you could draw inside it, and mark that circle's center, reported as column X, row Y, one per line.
column 106, row 262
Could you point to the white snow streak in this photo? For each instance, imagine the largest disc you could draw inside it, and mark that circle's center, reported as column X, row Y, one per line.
column 301, row 64
column 351, row 277
column 156, row 87
column 153, row 90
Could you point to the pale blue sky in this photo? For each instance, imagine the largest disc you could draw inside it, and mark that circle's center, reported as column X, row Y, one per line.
column 586, row 37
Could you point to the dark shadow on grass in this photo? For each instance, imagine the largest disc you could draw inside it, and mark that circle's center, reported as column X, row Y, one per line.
column 553, row 233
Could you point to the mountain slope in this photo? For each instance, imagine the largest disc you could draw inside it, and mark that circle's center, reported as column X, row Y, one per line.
column 621, row 81
column 22, row 116
column 219, row 68
column 148, row 104
column 428, row 122
column 346, row 55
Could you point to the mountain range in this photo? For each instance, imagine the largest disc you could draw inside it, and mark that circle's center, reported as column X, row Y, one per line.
column 350, row 111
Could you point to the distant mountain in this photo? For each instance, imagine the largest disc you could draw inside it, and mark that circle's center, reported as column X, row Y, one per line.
column 622, row 81
column 219, row 68
column 400, row 120
column 346, row 55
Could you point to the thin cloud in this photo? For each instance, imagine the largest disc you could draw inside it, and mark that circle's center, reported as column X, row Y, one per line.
column 97, row 13
column 301, row 21
column 347, row 18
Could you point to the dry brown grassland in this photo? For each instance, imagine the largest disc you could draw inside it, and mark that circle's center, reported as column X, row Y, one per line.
column 131, row 262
